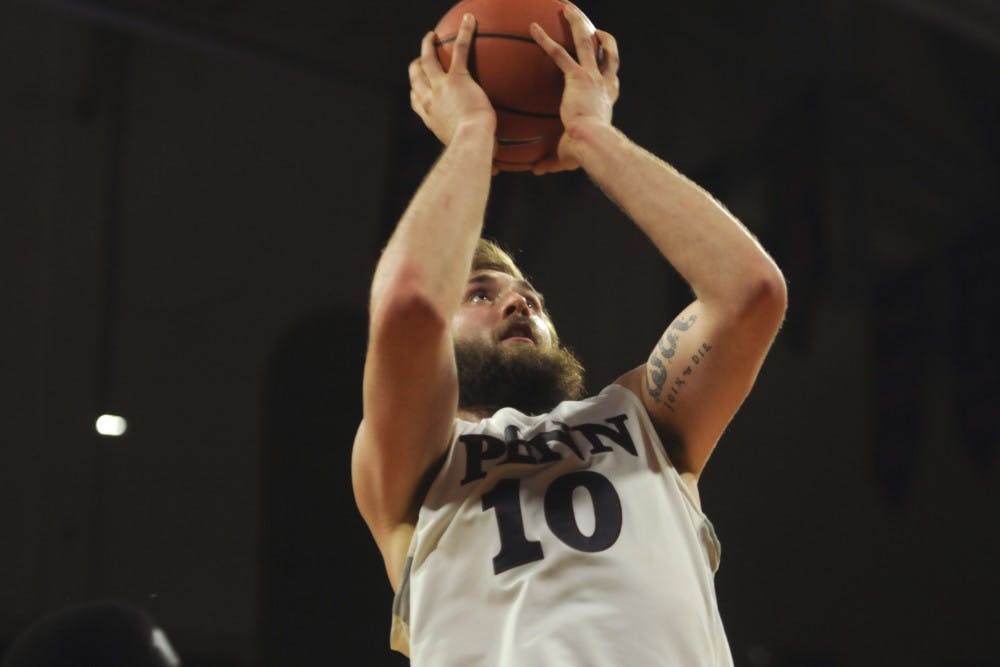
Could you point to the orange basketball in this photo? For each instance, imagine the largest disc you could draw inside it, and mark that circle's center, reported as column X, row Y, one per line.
column 521, row 80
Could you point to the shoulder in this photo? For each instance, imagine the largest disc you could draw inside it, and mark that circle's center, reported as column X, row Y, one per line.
column 632, row 384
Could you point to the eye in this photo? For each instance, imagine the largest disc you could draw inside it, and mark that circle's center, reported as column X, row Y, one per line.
column 532, row 301
column 479, row 296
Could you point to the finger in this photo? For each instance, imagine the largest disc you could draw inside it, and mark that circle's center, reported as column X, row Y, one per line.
column 583, row 31
column 417, row 106
column 611, row 61
column 428, row 56
column 463, row 42
column 418, row 78
column 563, row 60
column 546, row 165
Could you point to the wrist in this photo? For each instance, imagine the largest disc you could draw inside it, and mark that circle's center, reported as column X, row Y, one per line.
column 587, row 136
column 476, row 127
column 475, row 139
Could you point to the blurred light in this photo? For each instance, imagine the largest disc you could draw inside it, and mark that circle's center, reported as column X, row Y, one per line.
column 111, row 425
column 162, row 644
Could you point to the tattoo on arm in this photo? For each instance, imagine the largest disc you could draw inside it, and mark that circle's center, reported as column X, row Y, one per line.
column 663, row 355
column 684, row 325
column 656, row 376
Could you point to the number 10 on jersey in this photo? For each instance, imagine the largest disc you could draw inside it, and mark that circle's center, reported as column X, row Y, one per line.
column 515, row 547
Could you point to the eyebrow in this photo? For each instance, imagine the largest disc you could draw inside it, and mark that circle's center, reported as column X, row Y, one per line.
column 483, row 278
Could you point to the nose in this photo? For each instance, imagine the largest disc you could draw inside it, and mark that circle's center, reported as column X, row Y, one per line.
column 516, row 303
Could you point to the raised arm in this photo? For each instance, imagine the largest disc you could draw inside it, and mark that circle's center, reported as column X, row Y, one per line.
column 410, row 392
column 701, row 370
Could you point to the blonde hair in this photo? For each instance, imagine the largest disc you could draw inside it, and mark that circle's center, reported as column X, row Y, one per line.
column 490, row 255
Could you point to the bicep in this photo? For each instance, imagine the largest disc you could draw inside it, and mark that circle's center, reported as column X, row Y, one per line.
column 698, row 375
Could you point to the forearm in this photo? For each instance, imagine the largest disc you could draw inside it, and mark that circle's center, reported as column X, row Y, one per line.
column 709, row 247
column 430, row 251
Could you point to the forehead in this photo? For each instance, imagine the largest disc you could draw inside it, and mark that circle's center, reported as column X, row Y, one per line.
column 491, row 277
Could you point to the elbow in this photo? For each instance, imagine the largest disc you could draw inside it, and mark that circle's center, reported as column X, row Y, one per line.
column 757, row 296
column 766, row 298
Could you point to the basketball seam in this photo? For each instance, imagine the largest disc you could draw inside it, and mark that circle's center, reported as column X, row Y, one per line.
column 506, row 143
column 495, row 35
column 503, row 35
column 521, row 112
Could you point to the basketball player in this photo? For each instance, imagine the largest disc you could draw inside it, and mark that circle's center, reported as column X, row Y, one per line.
column 520, row 522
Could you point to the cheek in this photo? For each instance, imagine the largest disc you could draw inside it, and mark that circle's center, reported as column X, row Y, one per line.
column 465, row 325
column 545, row 327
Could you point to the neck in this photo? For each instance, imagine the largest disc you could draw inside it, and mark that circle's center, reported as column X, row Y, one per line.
column 473, row 414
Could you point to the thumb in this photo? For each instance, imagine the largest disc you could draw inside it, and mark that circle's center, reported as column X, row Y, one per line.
column 552, row 164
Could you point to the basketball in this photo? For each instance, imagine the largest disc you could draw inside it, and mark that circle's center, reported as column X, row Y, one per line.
column 520, row 79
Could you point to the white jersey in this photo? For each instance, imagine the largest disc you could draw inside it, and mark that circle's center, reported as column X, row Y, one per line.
column 561, row 539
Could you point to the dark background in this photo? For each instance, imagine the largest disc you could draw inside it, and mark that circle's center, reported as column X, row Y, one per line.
column 194, row 196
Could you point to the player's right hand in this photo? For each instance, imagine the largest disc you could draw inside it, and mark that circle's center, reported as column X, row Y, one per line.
column 447, row 100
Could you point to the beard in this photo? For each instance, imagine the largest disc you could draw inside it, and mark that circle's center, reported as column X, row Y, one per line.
column 531, row 379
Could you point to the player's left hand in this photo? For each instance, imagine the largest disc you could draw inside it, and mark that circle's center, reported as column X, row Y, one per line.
column 591, row 88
